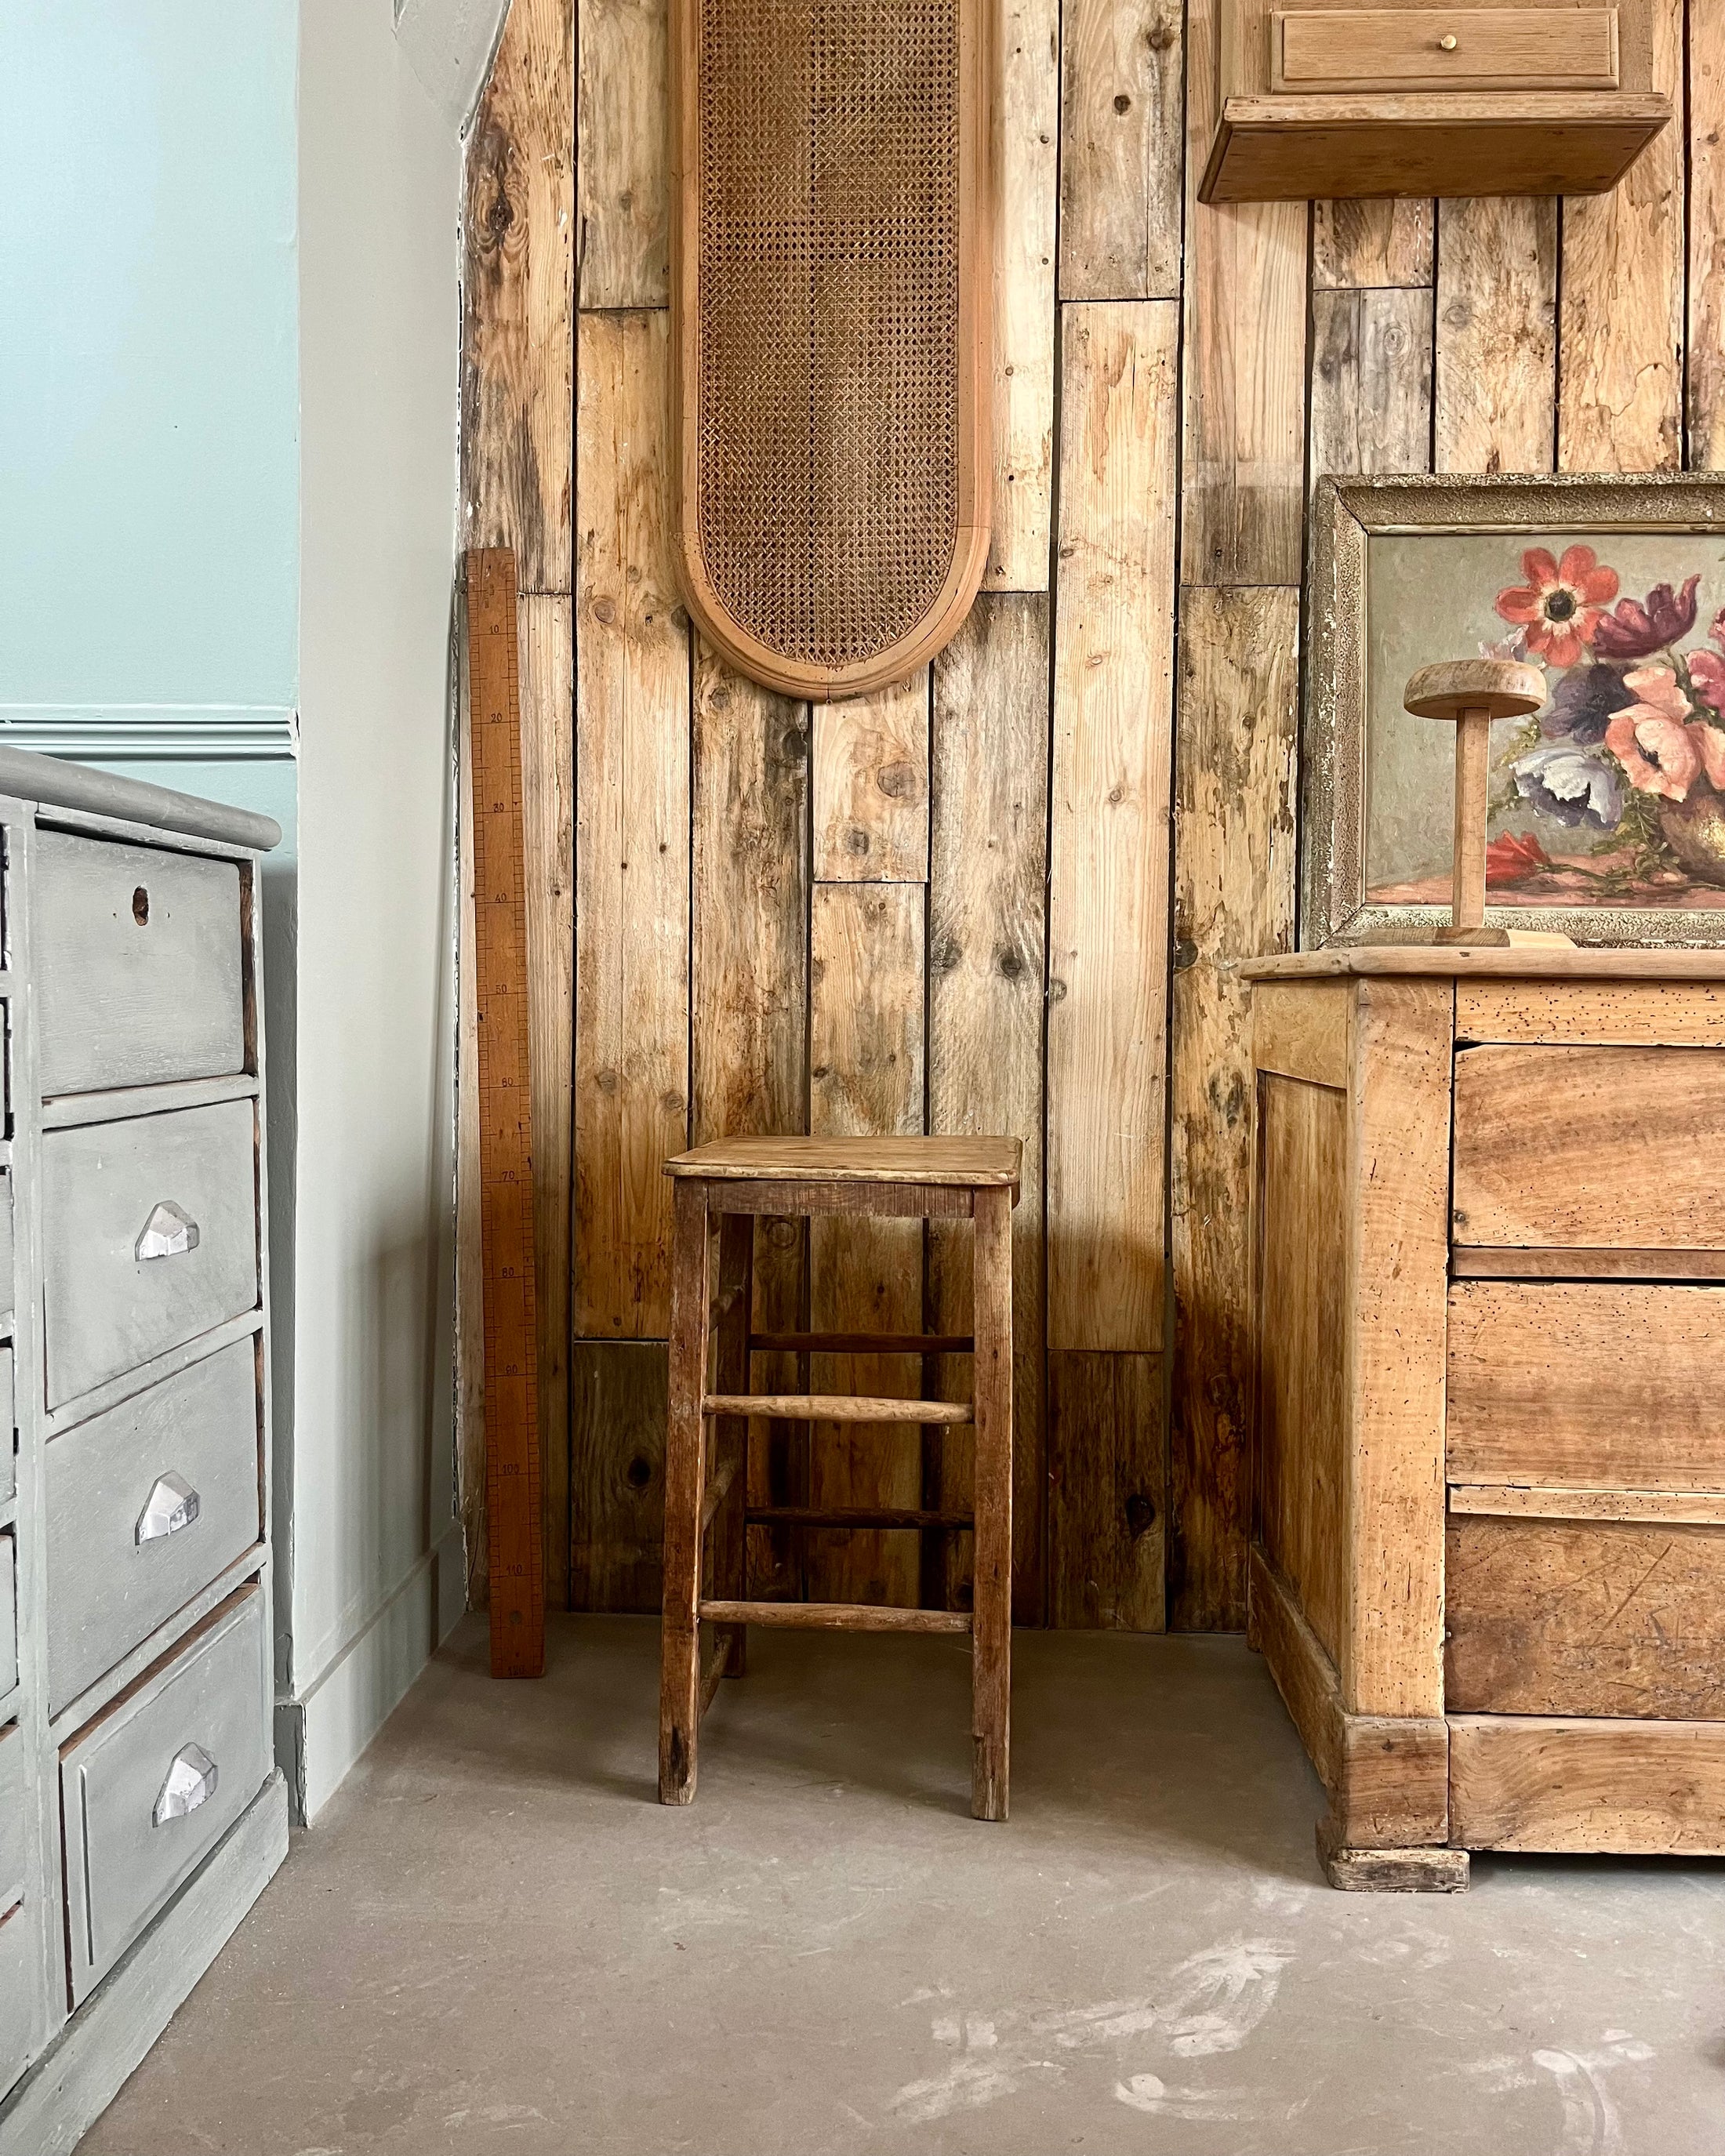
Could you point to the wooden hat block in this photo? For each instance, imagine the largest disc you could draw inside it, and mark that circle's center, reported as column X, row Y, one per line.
column 1469, row 694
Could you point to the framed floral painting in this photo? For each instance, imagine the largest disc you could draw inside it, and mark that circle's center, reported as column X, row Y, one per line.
column 1608, row 805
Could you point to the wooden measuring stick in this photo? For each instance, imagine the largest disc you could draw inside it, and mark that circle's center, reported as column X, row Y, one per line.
column 513, row 1530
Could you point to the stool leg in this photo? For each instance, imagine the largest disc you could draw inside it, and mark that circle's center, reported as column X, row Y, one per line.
column 736, row 1253
column 684, row 1475
column 991, row 1610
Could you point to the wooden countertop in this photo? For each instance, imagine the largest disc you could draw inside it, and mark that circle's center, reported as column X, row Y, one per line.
column 1359, row 960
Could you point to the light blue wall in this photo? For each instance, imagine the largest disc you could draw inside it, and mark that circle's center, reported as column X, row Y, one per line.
column 149, row 399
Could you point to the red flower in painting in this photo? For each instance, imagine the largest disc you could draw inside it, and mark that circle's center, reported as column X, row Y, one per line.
column 1513, row 856
column 1707, row 677
column 1561, row 604
column 1639, row 628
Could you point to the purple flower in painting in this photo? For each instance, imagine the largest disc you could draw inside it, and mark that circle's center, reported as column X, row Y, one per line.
column 1635, row 629
column 1582, row 704
column 1571, row 786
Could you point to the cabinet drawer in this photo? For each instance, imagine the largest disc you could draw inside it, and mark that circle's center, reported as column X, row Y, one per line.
column 8, row 1426
column 1579, row 1147
column 138, row 964
column 1434, row 48
column 107, row 1194
column 8, row 1291
column 150, row 1787
column 20, row 1961
column 9, row 1617
column 1585, row 1617
column 1595, row 1384
column 145, row 1505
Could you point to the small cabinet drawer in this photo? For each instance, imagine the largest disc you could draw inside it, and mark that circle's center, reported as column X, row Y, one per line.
column 146, row 1504
column 8, row 1426
column 9, row 1617
column 9, row 1294
column 22, row 2001
column 1574, row 1148
column 1595, row 1384
column 1564, row 1617
column 149, row 1239
column 150, row 1787
column 1435, row 49
column 138, row 961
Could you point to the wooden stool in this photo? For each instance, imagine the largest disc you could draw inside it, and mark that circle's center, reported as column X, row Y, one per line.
column 738, row 1180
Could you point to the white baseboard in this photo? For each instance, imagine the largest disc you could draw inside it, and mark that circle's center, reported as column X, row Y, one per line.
column 319, row 1734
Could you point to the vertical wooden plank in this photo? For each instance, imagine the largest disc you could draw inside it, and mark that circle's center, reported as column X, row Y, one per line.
column 470, row 1269
column 1620, row 340
column 617, row 1402
column 1397, row 1252
column 871, row 786
column 632, row 838
column 1707, row 237
column 1496, row 380
column 1025, row 123
column 1106, row 1492
column 987, row 968
column 749, row 1038
column 865, row 1080
column 1371, row 243
column 1371, row 381
column 517, row 399
column 1244, row 474
column 548, row 821
column 991, row 1619
column 1120, row 98
column 1237, row 731
column 1108, row 873
column 622, row 250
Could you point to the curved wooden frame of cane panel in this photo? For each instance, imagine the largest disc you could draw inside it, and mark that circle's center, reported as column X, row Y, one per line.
column 828, row 171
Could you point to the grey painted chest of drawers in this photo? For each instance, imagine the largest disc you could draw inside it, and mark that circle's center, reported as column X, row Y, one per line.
column 141, row 1810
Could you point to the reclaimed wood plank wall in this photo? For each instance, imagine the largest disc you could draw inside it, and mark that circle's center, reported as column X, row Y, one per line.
column 1014, row 893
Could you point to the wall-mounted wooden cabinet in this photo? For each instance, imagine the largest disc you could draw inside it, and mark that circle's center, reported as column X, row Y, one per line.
column 1358, row 97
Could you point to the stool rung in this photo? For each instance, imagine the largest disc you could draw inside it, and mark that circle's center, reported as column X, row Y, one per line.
column 811, row 1516
column 836, row 1616
column 715, row 1493
column 835, row 1407
column 862, row 1343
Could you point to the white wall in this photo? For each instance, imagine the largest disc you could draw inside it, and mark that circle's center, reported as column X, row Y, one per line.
column 372, row 1557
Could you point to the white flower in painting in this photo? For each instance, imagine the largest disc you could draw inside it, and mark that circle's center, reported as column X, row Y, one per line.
column 1571, row 785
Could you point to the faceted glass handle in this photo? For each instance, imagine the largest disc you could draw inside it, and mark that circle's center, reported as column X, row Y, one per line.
column 191, row 1782
column 172, row 1505
column 169, row 1232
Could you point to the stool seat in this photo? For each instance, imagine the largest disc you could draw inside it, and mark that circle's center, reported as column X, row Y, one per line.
column 708, row 1512
column 960, row 1163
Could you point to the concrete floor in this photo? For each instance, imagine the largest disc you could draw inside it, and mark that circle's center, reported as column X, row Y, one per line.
column 495, row 1940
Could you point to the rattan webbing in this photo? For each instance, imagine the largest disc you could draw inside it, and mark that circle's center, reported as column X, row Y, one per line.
column 828, row 376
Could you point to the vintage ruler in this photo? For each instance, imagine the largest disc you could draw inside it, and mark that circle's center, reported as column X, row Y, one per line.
column 512, row 1316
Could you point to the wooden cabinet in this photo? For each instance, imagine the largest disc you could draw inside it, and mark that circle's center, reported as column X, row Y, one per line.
column 1488, row 1518
column 1409, row 97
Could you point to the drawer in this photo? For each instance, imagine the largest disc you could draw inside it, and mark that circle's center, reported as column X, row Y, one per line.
column 21, row 1969
column 1598, row 1384
column 8, row 1426
column 145, row 1505
column 1585, row 1618
column 7, row 1290
column 137, row 958
column 107, row 1192
column 151, row 1786
column 9, row 1617
column 1579, row 1147
column 1436, row 48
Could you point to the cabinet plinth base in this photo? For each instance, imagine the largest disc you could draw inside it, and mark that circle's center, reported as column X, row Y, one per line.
column 1389, row 1870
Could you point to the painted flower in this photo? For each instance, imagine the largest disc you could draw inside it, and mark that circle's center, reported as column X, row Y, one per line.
column 1514, row 857
column 1717, row 631
column 1583, row 703
column 1654, row 689
column 1707, row 677
column 1709, row 743
column 1639, row 627
column 1649, row 738
column 1561, row 604
column 1570, row 786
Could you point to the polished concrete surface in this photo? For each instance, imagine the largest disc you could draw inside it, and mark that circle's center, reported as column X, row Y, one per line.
column 495, row 1939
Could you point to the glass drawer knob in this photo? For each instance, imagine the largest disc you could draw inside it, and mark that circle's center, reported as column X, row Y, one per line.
column 171, row 1506
column 169, row 1232
column 191, row 1782
column 1448, row 44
